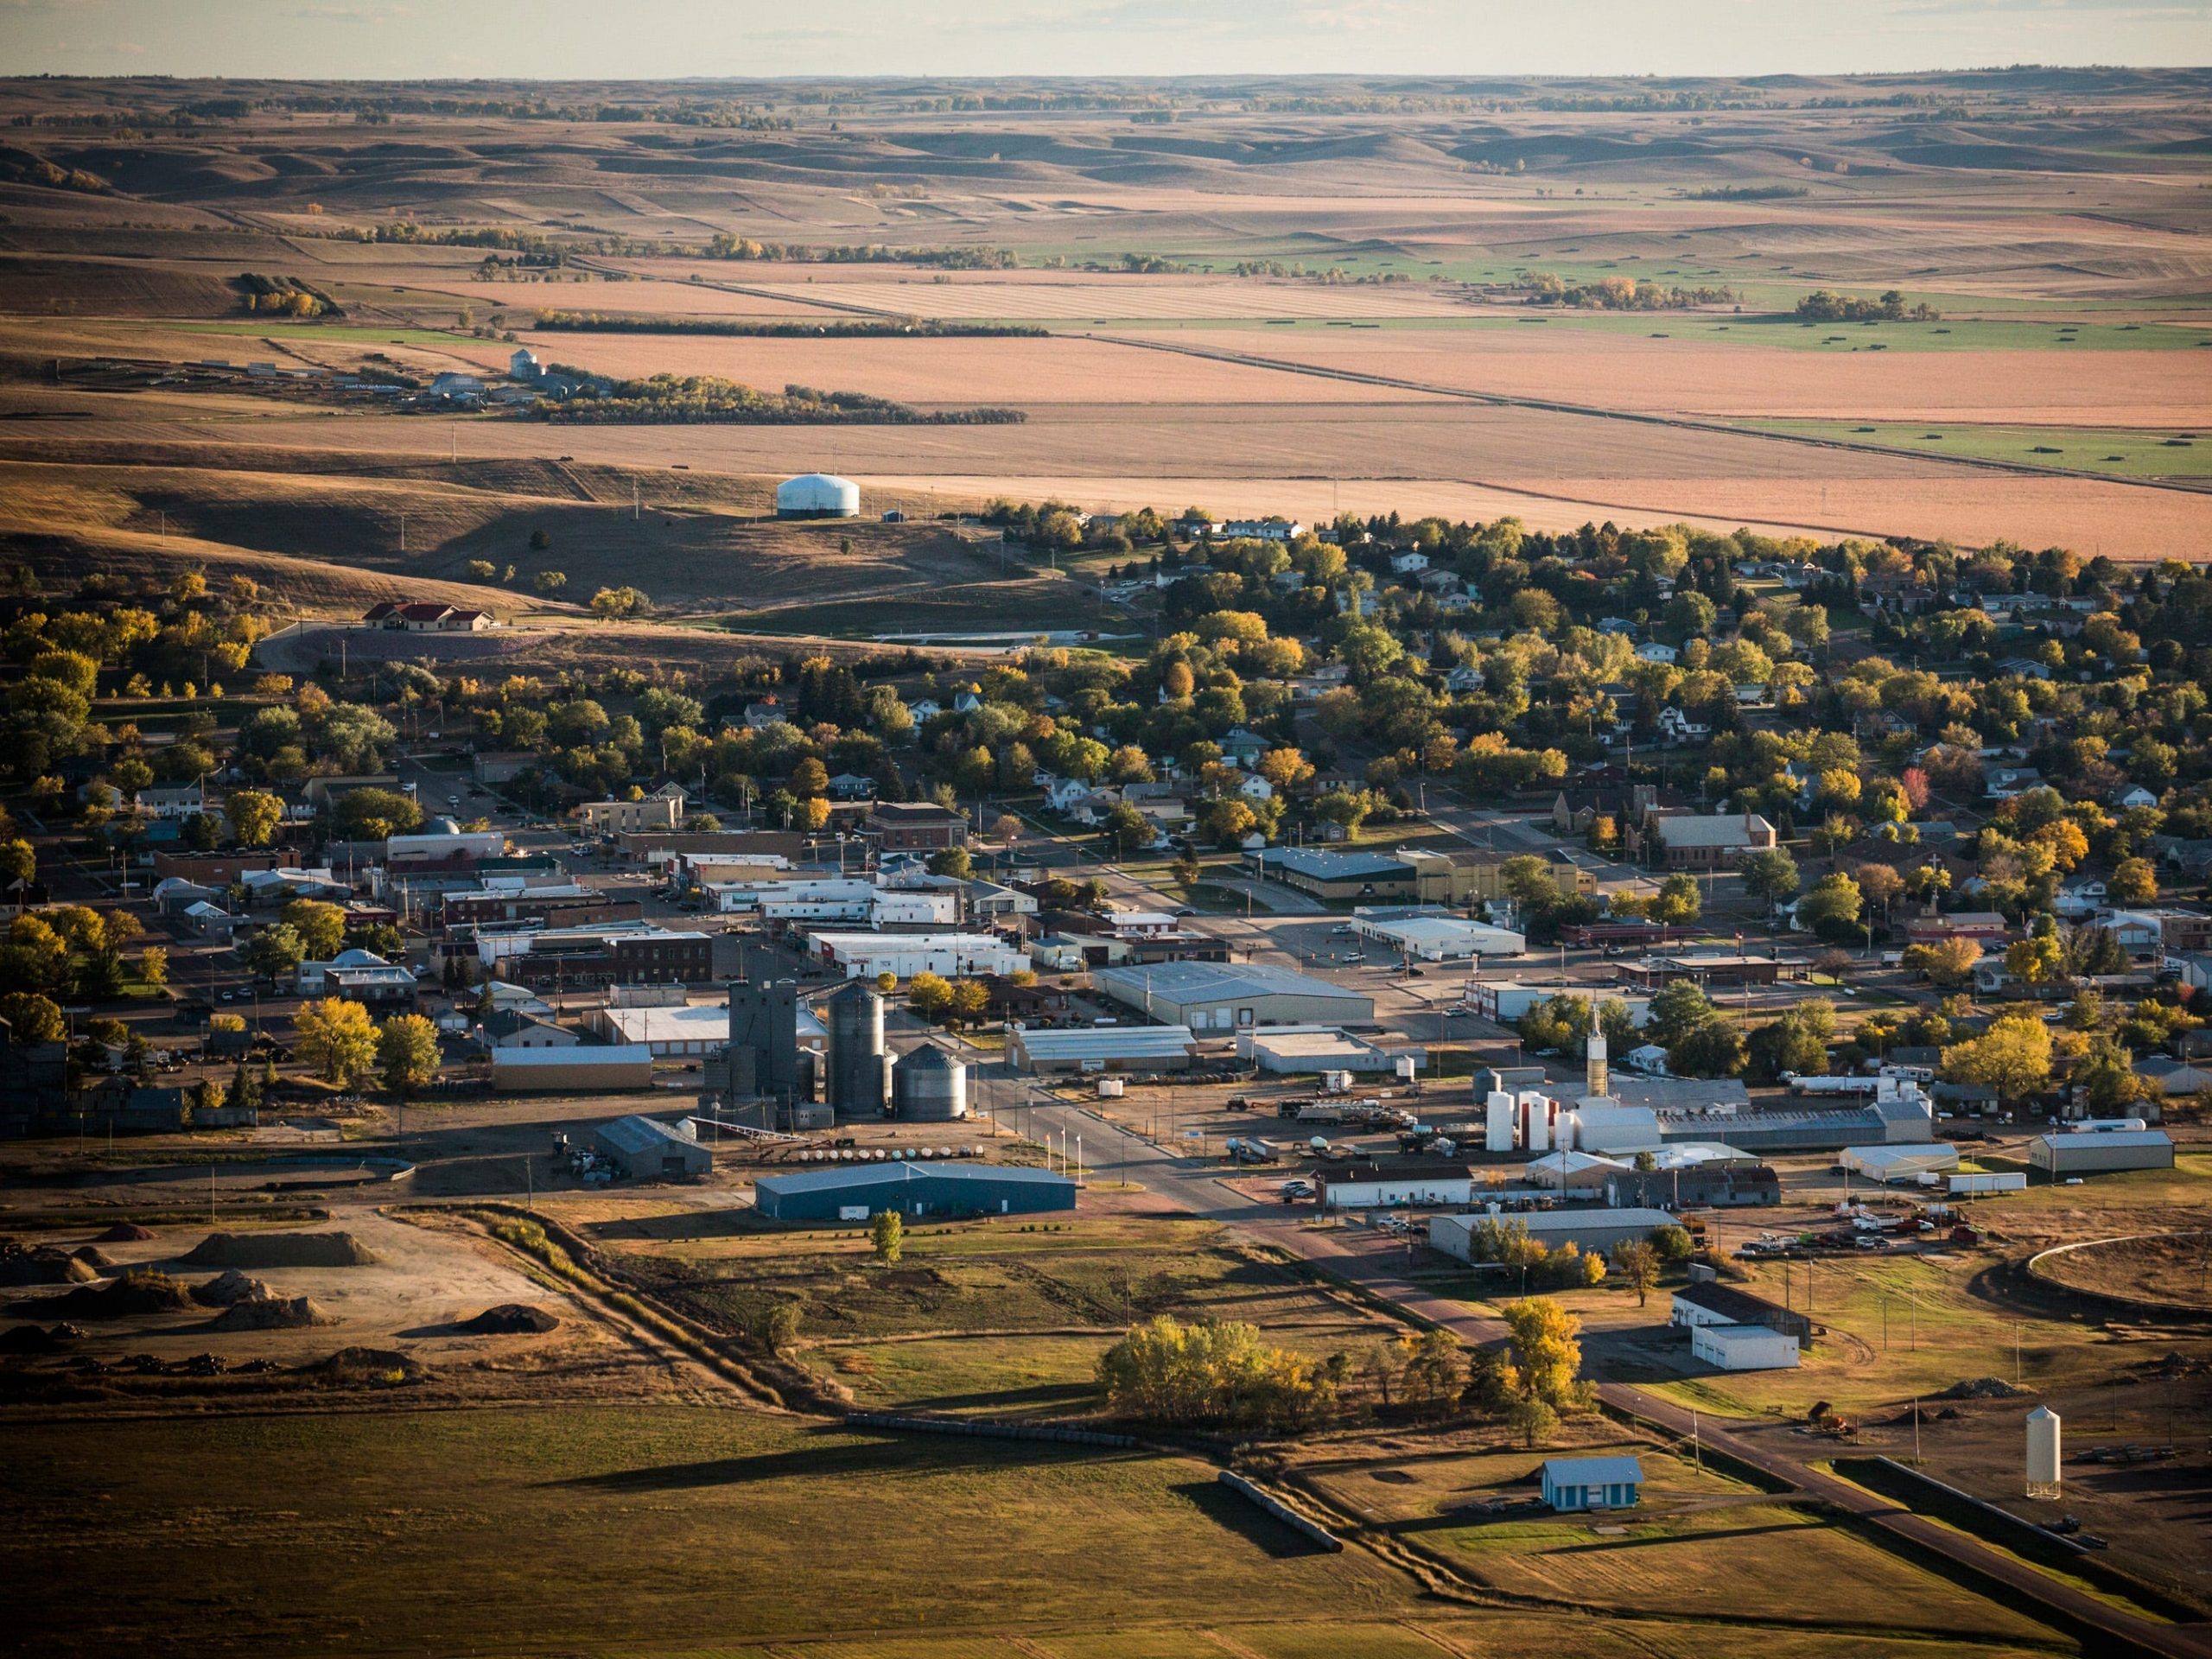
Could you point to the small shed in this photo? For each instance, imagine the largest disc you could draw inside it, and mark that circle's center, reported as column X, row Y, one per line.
column 645, row 1149
column 1576, row 1483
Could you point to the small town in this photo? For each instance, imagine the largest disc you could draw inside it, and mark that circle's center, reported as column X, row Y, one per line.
column 1350, row 832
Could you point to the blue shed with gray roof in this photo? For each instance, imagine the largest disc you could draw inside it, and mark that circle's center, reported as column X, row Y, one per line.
column 1572, row 1484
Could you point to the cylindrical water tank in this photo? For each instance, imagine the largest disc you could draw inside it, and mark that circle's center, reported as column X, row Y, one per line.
column 1535, row 1124
column 818, row 495
column 1405, row 1068
column 859, row 1081
column 2043, row 1447
column 1497, row 1122
column 929, row 1086
column 1109, row 1088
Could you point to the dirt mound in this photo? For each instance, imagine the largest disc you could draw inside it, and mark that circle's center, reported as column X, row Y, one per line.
column 36, row 1339
column 228, row 1289
column 1983, row 1387
column 510, row 1319
column 274, row 1313
column 145, row 1292
column 92, row 1256
column 281, row 1251
column 41, row 1265
column 376, row 1367
column 126, row 1232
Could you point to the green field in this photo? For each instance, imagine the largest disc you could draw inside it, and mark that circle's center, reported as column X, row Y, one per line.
column 2122, row 453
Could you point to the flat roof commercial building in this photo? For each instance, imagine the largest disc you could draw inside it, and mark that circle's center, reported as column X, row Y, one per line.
column 677, row 1033
column 856, row 1191
column 1358, row 1187
column 1695, row 1187
column 1337, row 875
column 2098, row 1152
column 645, row 1149
column 571, row 1070
column 1113, row 1048
column 1590, row 1229
column 1435, row 936
column 954, row 956
column 1232, row 996
column 1296, row 1051
column 1889, row 1123
column 1652, row 972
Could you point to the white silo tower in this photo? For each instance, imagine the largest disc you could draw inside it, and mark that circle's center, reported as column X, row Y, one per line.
column 1497, row 1122
column 2043, row 1452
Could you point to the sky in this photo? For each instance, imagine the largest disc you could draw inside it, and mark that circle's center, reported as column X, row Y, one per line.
column 617, row 39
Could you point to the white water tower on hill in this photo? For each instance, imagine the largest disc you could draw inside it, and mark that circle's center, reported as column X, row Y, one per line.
column 2043, row 1452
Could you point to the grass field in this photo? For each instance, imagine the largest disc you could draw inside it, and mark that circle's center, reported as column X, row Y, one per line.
column 2120, row 453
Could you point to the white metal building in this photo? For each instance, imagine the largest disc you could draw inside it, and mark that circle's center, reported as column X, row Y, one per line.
column 1373, row 1186
column 1906, row 1162
column 818, row 495
column 671, row 1033
column 1438, row 937
column 1296, row 1051
column 1743, row 1347
column 954, row 955
column 1117, row 1048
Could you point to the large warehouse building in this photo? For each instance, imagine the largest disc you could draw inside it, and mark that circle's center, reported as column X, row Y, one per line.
column 573, row 1071
column 954, row 955
column 1435, row 935
column 853, row 1192
column 1231, row 996
column 1112, row 1048
column 818, row 495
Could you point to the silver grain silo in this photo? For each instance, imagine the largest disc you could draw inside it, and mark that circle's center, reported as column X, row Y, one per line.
column 929, row 1086
column 860, row 1079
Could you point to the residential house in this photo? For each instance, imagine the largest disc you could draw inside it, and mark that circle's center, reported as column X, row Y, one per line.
column 1655, row 651
column 1409, row 563
column 423, row 616
column 2003, row 783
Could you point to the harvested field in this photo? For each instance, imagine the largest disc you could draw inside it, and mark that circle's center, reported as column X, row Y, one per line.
column 2172, row 1271
column 1017, row 372
column 1051, row 296
column 1744, row 373
column 46, row 287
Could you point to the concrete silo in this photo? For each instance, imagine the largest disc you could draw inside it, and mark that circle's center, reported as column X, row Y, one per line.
column 860, row 1079
column 929, row 1086
column 2043, row 1453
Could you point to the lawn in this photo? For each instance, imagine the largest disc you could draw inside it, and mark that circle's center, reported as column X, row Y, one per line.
column 2123, row 454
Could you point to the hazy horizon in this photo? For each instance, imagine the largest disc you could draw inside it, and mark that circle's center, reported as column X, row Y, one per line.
column 582, row 40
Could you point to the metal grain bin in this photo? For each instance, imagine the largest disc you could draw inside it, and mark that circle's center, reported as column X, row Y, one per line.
column 929, row 1086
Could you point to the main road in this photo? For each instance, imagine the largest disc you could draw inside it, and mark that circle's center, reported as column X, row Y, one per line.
column 1111, row 1152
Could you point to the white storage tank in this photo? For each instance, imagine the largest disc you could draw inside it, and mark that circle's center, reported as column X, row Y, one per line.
column 818, row 495
column 1535, row 1123
column 1405, row 1068
column 2043, row 1449
column 1497, row 1122
column 1109, row 1088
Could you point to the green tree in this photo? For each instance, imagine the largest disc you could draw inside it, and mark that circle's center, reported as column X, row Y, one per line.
column 1830, row 907
column 1713, row 1050
column 1127, row 829
column 1677, row 904
column 407, row 1053
column 275, row 952
column 374, row 814
column 886, row 1234
column 1676, row 1009
column 1771, row 876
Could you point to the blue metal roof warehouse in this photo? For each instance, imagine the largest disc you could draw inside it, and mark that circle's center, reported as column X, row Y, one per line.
column 856, row 1191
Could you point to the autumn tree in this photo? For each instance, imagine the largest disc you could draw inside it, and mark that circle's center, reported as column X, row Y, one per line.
column 886, row 1236
column 929, row 995
column 1639, row 1268
column 253, row 816
column 407, row 1053
column 2012, row 1058
column 2134, row 882
column 336, row 1039
column 321, row 927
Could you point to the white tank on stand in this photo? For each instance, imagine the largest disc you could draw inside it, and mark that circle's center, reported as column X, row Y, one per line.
column 2043, row 1452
